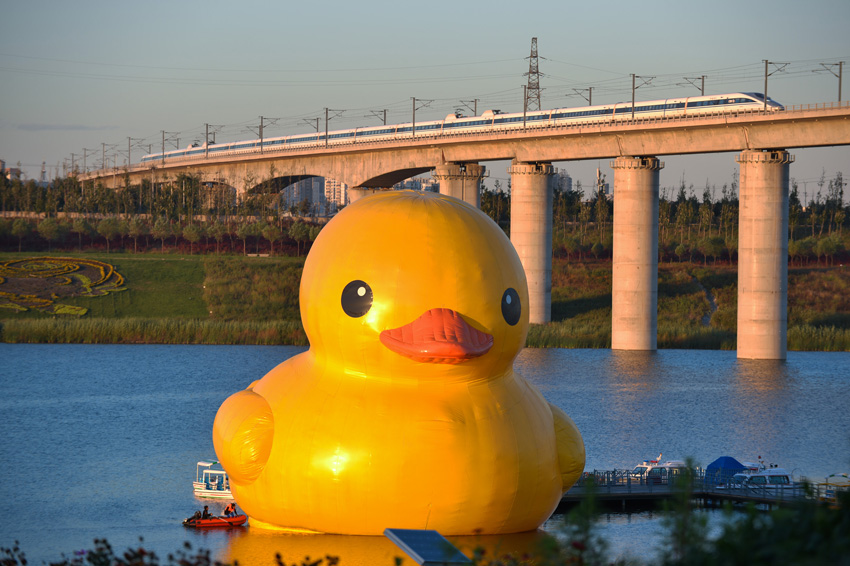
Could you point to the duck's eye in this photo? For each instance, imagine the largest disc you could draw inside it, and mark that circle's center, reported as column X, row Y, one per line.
column 356, row 298
column 511, row 309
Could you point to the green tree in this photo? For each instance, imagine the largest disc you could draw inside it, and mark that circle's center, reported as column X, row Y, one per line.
column 794, row 250
column 192, row 233
column 731, row 246
column 137, row 228
column 217, row 231
column 840, row 215
column 272, row 233
column 826, row 248
column 300, row 232
column 680, row 251
column 684, row 218
column 108, row 228
column 706, row 218
column 304, row 207
column 686, row 539
column 572, row 246
column 162, row 230
column 584, row 214
column 795, row 210
column 712, row 246
column 82, row 228
column 664, row 219
column 603, row 213
column 244, row 231
column 50, row 230
column 257, row 230
column 806, row 248
column 21, row 228
column 596, row 249
column 578, row 540
column 314, row 232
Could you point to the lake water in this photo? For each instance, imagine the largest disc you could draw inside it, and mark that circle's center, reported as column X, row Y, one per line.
column 102, row 441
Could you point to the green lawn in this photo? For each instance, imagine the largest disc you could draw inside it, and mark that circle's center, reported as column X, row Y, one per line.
column 158, row 286
column 238, row 299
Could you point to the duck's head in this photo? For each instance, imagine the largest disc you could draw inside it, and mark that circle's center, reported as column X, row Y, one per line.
column 410, row 285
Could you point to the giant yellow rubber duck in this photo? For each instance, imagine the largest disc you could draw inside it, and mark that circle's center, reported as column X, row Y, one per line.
column 406, row 411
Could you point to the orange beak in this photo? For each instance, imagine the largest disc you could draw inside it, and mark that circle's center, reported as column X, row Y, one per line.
column 439, row 336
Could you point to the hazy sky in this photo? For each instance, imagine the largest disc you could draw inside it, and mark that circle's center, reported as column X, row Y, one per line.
column 77, row 75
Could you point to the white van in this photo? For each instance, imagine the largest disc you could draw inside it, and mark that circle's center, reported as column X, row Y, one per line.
column 769, row 478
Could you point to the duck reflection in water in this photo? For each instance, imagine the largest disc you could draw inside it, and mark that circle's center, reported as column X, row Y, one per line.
column 259, row 546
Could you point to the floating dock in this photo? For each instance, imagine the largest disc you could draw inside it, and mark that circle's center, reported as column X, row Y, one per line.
column 618, row 486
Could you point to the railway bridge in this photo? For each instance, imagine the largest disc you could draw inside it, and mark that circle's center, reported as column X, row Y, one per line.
column 762, row 140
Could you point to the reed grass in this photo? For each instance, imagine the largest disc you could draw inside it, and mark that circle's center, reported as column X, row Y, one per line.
column 151, row 331
column 237, row 288
column 570, row 334
column 819, row 338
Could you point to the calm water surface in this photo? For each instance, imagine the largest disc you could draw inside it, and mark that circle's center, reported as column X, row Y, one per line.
column 101, row 441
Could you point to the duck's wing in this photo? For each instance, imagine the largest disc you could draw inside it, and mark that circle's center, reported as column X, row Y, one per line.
column 242, row 435
column 570, row 447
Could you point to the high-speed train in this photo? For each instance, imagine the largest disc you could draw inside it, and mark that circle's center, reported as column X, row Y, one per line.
column 489, row 121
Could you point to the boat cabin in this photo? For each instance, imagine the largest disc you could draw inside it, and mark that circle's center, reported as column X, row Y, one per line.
column 211, row 481
column 653, row 471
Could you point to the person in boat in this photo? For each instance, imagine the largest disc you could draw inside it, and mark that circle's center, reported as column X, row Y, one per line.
column 230, row 510
column 206, row 514
column 196, row 516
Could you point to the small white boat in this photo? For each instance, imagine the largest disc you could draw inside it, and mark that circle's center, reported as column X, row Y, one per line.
column 656, row 471
column 211, row 482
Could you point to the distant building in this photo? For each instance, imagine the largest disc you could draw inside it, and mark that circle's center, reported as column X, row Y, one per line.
column 336, row 194
column 12, row 174
column 564, row 181
column 312, row 190
column 418, row 184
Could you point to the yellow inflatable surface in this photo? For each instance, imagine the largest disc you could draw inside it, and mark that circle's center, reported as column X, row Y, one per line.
column 406, row 411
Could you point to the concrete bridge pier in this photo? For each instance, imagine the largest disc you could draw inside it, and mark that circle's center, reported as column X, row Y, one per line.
column 460, row 180
column 531, row 232
column 634, row 289
column 763, row 255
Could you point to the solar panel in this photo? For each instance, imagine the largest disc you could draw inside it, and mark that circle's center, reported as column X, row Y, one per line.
column 427, row 548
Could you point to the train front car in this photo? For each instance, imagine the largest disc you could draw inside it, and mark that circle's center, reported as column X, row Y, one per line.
column 758, row 97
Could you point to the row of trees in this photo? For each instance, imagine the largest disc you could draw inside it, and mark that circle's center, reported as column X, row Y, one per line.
column 689, row 228
column 136, row 230
column 180, row 198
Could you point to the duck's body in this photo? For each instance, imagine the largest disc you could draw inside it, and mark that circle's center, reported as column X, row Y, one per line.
column 385, row 422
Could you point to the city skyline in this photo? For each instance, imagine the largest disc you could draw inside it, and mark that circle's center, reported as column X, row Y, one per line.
column 98, row 73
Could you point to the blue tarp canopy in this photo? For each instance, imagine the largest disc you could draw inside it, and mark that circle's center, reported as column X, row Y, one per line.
column 722, row 470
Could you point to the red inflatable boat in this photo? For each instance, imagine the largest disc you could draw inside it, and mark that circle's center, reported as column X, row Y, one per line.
column 216, row 522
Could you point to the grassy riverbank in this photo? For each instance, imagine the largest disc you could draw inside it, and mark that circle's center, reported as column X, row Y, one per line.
column 177, row 299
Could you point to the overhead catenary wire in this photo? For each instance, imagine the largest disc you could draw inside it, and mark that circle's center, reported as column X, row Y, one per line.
column 562, row 90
